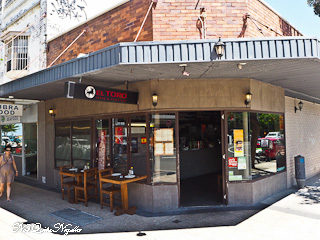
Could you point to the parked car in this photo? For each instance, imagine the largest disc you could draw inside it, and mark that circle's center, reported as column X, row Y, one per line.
column 274, row 135
column 269, row 147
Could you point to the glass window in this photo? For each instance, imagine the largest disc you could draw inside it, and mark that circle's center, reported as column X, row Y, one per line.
column 81, row 143
column 162, row 147
column 63, row 144
column 80, row 134
column 102, row 143
column 138, row 145
column 17, row 54
column 11, row 134
column 119, row 129
column 255, row 134
column 30, row 144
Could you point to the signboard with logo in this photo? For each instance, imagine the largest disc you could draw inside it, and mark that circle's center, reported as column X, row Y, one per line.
column 11, row 110
column 6, row 120
column 89, row 92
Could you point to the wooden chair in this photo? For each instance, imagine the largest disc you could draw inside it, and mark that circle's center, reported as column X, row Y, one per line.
column 67, row 182
column 107, row 188
column 89, row 182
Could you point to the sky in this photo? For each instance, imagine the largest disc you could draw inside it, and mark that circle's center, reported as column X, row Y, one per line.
column 299, row 14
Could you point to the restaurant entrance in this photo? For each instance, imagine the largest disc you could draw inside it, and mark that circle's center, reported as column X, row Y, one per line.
column 200, row 158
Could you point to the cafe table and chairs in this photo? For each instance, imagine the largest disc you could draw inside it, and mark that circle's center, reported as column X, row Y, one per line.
column 123, row 181
column 70, row 177
column 108, row 189
column 89, row 183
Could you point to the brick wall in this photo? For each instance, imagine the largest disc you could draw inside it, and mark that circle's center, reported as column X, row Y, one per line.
column 169, row 20
column 258, row 11
column 176, row 19
column 302, row 137
column 118, row 25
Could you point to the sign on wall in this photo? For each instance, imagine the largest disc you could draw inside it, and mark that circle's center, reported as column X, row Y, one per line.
column 11, row 110
column 89, row 92
column 6, row 120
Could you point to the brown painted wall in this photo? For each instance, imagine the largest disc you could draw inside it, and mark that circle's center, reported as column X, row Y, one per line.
column 118, row 25
column 207, row 94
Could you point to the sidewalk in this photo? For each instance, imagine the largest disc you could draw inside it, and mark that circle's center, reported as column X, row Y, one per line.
column 296, row 216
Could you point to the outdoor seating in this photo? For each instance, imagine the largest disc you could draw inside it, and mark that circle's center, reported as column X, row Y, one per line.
column 89, row 182
column 107, row 188
column 68, row 182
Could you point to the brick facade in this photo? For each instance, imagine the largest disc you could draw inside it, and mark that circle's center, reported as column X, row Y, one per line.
column 169, row 20
column 302, row 137
column 121, row 24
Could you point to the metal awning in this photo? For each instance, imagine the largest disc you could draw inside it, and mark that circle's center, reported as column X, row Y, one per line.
column 292, row 63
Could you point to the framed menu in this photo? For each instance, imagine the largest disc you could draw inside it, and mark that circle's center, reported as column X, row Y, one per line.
column 163, row 141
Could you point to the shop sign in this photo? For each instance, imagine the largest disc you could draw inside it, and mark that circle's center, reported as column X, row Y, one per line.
column 89, row 92
column 11, row 110
column 5, row 120
column 233, row 162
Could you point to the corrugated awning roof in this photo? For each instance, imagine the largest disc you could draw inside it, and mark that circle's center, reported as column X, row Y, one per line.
column 288, row 62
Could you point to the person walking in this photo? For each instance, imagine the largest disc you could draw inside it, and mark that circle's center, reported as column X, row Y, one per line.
column 7, row 168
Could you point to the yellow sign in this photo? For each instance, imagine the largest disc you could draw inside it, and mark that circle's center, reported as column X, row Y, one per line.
column 238, row 142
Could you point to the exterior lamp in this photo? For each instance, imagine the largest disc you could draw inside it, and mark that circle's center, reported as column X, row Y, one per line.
column 154, row 99
column 300, row 105
column 52, row 113
column 219, row 47
column 248, row 98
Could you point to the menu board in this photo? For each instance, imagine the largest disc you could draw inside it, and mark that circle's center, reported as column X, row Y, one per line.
column 163, row 141
column 163, row 135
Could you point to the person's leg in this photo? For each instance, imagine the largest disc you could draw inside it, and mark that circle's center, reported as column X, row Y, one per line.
column 8, row 191
column 1, row 189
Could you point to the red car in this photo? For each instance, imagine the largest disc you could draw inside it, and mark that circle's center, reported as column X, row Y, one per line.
column 270, row 147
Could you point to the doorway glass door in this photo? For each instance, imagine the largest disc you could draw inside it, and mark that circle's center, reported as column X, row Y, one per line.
column 120, row 140
column 138, row 149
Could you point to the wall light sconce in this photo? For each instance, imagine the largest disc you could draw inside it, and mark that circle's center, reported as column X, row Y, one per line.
column 248, row 98
column 184, row 72
column 300, row 105
column 154, row 99
column 240, row 65
column 52, row 112
column 219, row 47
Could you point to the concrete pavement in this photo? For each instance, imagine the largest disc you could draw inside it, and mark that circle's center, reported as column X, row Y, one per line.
column 296, row 216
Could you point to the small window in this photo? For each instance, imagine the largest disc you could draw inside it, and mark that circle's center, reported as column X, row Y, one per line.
column 17, row 54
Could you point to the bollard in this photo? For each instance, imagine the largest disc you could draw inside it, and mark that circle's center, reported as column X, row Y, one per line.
column 300, row 171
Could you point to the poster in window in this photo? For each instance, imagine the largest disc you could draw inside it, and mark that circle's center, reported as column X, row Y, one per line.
column 238, row 142
column 102, row 150
column 168, row 147
column 233, row 162
column 242, row 163
column 118, row 135
column 158, row 149
column 134, row 145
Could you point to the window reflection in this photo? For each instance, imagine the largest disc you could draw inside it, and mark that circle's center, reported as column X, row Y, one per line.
column 162, row 147
column 255, row 134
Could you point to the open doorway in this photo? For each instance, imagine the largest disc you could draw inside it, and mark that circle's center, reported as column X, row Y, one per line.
column 200, row 158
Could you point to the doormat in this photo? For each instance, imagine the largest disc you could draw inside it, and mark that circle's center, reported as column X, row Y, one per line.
column 76, row 216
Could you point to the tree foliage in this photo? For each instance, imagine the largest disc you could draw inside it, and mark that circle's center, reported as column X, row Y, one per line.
column 9, row 128
column 316, row 6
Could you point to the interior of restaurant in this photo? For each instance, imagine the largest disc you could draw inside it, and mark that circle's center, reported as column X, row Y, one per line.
column 200, row 158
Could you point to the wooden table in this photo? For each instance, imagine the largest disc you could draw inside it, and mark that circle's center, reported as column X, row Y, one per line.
column 77, row 175
column 123, row 182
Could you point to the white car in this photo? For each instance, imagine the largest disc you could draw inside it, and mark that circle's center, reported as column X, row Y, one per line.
column 274, row 135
